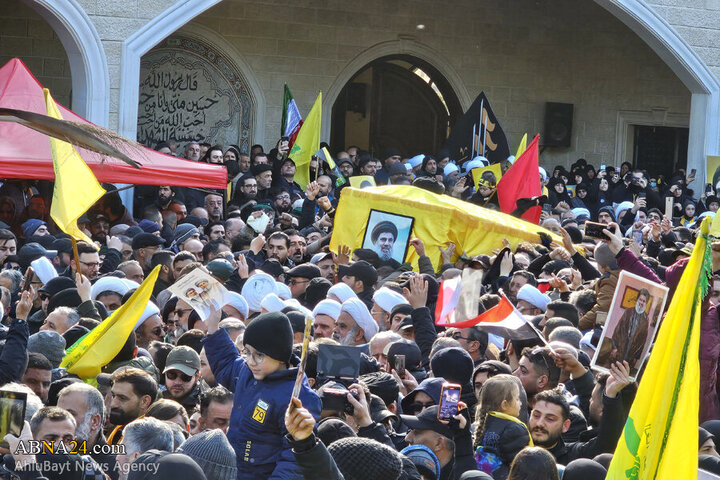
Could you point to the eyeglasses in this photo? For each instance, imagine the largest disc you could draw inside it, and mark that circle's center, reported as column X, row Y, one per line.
column 417, row 407
column 256, row 357
column 458, row 336
column 173, row 375
column 91, row 264
column 282, row 197
column 294, row 282
column 43, row 296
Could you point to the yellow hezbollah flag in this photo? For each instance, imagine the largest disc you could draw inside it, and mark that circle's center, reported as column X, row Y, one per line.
column 437, row 219
column 495, row 168
column 660, row 439
column 76, row 188
column 307, row 143
column 521, row 147
column 95, row 350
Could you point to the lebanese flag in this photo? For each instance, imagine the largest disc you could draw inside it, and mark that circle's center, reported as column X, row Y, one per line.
column 447, row 301
column 522, row 180
column 291, row 118
column 505, row 321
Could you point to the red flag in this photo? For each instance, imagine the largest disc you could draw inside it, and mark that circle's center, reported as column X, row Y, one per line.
column 522, row 180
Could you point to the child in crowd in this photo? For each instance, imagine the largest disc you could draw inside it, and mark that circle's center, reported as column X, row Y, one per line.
column 499, row 435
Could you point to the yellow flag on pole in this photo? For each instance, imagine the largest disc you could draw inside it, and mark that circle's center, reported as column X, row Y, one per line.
column 660, row 438
column 521, row 147
column 76, row 188
column 307, row 143
column 96, row 349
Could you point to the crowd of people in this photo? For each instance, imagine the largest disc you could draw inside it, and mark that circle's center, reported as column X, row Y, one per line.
column 211, row 396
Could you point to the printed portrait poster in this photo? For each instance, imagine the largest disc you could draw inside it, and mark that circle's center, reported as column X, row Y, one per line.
column 388, row 235
column 631, row 324
column 201, row 291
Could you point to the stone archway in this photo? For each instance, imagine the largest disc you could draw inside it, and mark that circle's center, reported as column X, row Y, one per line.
column 385, row 49
column 88, row 63
column 690, row 69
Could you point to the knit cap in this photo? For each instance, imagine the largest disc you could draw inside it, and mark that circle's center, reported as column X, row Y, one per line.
column 49, row 343
column 270, row 333
column 212, row 451
column 360, row 458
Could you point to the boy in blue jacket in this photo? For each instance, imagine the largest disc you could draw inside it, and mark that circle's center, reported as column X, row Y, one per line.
column 262, row 380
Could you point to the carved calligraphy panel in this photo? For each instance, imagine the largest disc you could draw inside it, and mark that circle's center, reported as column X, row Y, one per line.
column 188, row 91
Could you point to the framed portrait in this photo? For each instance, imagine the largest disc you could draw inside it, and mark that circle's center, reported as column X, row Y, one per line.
column 631, row 324
column 388, row 235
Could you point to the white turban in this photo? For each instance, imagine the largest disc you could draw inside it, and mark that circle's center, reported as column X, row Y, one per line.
column 330, row 308
column 533, row 296
column 236, row 301
column 388, row 299
column 44, row 269
column 283, row 291
column 416, row 160
column 359, row 312
column 109, row 284
column 342, row 291
column 150, row 310
column 256, row 288
column 272, row 303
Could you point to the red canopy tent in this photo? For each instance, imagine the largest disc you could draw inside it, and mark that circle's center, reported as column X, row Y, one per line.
column 25, row 153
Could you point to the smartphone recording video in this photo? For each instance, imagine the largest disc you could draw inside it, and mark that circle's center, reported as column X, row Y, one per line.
column 449, row 398
column 595, row 230
column 12, row 414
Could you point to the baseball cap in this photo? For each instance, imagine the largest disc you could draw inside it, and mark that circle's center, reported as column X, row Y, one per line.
column 427, row 420
column 33, row 251
column 361, row 270
column 184, row 359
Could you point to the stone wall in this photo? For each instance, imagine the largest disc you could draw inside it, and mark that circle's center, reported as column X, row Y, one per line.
column 522, row 53
column 26, row 35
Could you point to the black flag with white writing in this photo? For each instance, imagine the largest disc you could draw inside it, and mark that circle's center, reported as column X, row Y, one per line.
column 466, row 137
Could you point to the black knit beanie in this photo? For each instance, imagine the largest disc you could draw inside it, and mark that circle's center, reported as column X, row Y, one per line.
column 270, row 333
column 361, row 458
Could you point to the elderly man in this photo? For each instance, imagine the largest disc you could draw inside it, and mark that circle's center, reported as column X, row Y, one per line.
column 355, row 325
column 384, row 300
column 214, row 207
column 530, row 301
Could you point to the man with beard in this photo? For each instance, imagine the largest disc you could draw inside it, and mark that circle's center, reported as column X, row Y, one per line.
column 263, row 176
column 383, row 238
column 144, row 246
column 164, row 196
column 628, row 190
column 85, row 403
column 214, row 207
column 182, row 377
column 99, row 228
column 286, row 179
column 354, row 326
column 132, row 392
column 192, row 151
column 150, row 327
column 325, row 263
column 298, row 244
column 628, row 338
column 281, row 199
column 247, row 190
column 550, row 418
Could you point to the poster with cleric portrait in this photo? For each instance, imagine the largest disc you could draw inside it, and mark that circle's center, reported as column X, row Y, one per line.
column 388, row 235
column 631, row 324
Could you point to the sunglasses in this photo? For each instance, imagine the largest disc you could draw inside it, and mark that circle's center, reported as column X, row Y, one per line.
column 417, row 407
column 172, row 375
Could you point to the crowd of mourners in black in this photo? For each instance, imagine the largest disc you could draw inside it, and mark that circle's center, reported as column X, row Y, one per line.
column 196, row 397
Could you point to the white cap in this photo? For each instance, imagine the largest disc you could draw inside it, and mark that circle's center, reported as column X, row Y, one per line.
column 112, row 284
column 150, row 310
column 256, row 288
column 359, row 312
column 450, row 168
column 388, row 299
column 236, row 301
column 297, row 306
column 330, row 308
column 44, row 269
column 342, row 291
column 533, row 296
column 283, row 291
column 543, row 173
column 272, row 303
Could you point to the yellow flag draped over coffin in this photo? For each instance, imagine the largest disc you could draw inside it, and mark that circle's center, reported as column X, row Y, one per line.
column 76, row 188
column 660, row 438
column 307, row 143
column 95, row 350
column 438, row 219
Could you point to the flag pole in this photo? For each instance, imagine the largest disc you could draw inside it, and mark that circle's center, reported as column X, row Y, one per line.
column 484, row 135
column 480, row 128
column 472, row 148
column 75, row 254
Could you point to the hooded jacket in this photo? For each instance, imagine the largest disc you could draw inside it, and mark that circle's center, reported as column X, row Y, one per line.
column 257, row 423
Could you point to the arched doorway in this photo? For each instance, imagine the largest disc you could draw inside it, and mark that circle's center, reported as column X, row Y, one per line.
column 397, row 100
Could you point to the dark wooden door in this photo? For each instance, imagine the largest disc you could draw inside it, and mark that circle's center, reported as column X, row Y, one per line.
column 406, row 113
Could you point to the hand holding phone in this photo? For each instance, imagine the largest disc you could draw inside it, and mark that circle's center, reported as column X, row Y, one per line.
column 595, row 230
column 449, row 398
column 400, row 365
